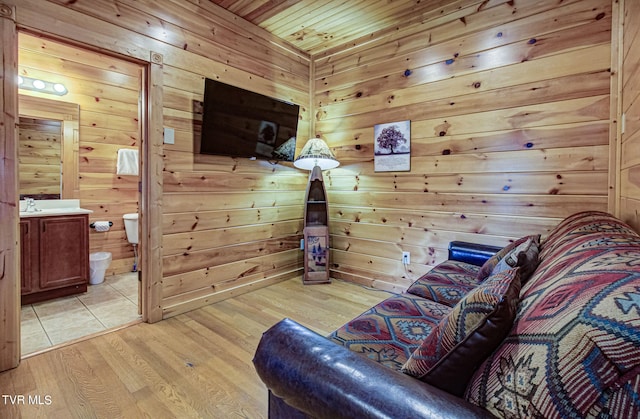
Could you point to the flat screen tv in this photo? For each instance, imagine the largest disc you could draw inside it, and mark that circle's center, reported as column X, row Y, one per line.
column 240, row 123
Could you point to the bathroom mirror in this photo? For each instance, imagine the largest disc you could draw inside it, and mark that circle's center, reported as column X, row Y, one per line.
column 48, row 148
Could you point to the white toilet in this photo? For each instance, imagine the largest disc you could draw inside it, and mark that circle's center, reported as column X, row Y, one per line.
column 131, row 228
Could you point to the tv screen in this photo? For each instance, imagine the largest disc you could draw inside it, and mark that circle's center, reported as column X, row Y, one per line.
column 240, row 123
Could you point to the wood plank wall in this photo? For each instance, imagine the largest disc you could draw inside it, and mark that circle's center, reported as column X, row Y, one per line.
column 509, row 109
column 229, row 225
column 510, row 128
column 630, row 150
column 108, row 92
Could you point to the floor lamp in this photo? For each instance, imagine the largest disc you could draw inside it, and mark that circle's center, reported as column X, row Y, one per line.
column 316, row 156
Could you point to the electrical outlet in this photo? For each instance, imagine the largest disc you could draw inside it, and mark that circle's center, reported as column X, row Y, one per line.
column 406, row 258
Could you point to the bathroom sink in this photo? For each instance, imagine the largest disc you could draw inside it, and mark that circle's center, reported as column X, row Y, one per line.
column 54, row 211
column 48, row 208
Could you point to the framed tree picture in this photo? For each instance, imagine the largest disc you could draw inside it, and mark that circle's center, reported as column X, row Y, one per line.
column 392, row 147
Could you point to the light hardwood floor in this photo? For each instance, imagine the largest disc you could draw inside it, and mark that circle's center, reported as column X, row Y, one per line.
column 197, row 364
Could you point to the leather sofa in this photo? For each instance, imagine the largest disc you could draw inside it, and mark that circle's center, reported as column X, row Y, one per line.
column 543, row 329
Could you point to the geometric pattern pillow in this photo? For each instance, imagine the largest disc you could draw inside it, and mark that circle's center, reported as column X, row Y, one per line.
column 573, row 350
column 447, row 283
column 492, row 262
column 391, row 330
column 462, row 340
column 524, row 256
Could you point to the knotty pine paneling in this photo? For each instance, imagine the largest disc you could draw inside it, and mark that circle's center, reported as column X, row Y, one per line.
column 509, row 108
column 107, row 91
column 254, row 207
column 229, row 225
column 510, row 114
column 630, row 153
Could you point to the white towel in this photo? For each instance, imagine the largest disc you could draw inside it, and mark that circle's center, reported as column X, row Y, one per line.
column 127, row 162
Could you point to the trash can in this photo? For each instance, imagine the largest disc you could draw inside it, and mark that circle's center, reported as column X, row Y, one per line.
column 98, row 264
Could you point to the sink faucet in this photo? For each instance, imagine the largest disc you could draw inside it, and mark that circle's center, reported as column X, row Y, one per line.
column 31, row 205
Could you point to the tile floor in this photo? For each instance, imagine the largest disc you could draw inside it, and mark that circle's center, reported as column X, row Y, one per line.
column 104, row 306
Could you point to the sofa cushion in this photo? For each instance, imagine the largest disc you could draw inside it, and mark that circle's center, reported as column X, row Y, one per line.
column 576, row 225
column 527, row 259
column 390, row 331
column 573, row 348
column 468, row 334
column 447, row 283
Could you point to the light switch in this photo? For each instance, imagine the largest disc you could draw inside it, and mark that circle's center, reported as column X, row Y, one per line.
column 169, row 136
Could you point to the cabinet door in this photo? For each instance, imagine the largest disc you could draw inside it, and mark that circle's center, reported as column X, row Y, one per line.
column 64, row 251
column 28, row 255
column 316, row 258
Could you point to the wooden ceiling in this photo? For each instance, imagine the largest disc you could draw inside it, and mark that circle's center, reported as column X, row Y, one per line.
column 317, row 26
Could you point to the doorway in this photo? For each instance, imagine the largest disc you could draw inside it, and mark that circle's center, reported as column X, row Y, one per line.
column 108, row 91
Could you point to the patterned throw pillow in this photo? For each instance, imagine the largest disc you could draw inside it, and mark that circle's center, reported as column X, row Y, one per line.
column 391, row 330
column 524, row 256
column 447, row 283
column 492, row 262
column 462, row 340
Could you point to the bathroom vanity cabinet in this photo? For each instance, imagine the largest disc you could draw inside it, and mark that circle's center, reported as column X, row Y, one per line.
column 54, row 256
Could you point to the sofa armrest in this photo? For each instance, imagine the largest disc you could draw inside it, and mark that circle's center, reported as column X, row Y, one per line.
column 473, row 253
column 326, row 380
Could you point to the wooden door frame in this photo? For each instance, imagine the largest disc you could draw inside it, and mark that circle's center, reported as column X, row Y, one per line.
column 151, row 157
column 152, row 186
column 9, row 210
